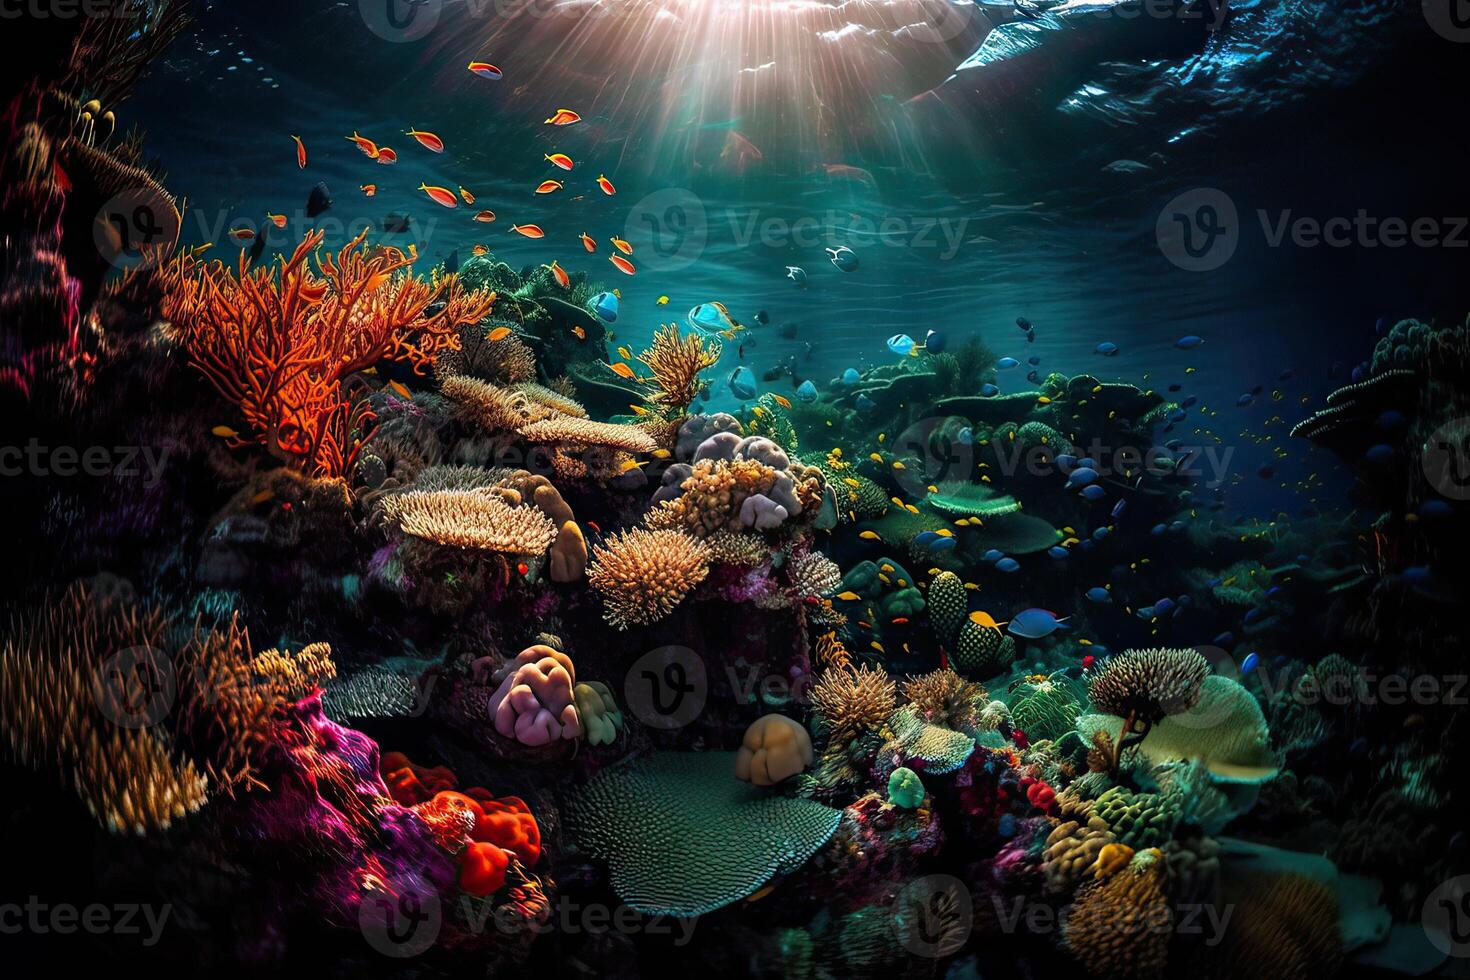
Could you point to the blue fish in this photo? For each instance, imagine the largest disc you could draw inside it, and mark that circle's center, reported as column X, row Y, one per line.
column 864, row 403
column 1251, row 615
column 924, row 537
column 1119, row 509
column 901, row 344
column 711, row 318
column 1189, row 343
column 1058, row 552
column 989, row 390
column 1251, row 662
column 1081, row 476
column 1033, row 376
column 935, row 342
column 605, row 305
column 1177, row 415
column 1189, row 402
column 1163, row 606
column 1099, row 594
column 1023, row 323
column 993, row 556
column 1033, row 624
column 1008, row 565
column 1177, row 527
column 1244, row 400
column 965, row 437
column 1092, row 493
column 1087, row 544
column 1224, row 640
column 1380, row 453
column 1145, row 612
column 1101, row 533
column 1033, row 360
column 742, row 383
column 1107, row 349
column 806, row 391
column 1007, row 362
column 941, row 543
column 1086, row 462
column 1065, row 462
column 851, row 376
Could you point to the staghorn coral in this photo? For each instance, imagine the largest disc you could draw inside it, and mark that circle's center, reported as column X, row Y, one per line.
column 642, row 575
column 1119, row 926
column 491, row 407
column 677, row 362
column 853, row 701
column 280, row 342
column 680, row 837
column 471, row 519
column 944, row 698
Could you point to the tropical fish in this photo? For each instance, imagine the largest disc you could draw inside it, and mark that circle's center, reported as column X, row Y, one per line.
column 499, row 333
column 623, row 371
column 400, row 389
column 806, row 391
column 1008, row 565
column 851, row 376
column 662, row 301
column 935, row 342
column 710, row 318
column 781, row 400
column 368, row 147
column 442, row 196
column 606, row 185
column 1251, row 662
column 588, row 243
column 563, row 117
column 486, row 70
column 579, row 332
column 901, row 344
column 300, row 153
column 562, row 279
column 387, row 156
column 485, row 216
column 368, row 190
column 989, row 390
column 1189, row 343
column 622, row 265
column 1006, row 363
column 1033, row 624
column 242, row 234
column 742, row 382
column 319, row 200
column 559, row 160
column 1099, row 594
column 605, row 305
column 428, row 140
column 621, row 245
column 529, row 231
column 224, row 432
column 548, row 186
column 871, row 536
column 279, row 220
column 467, row 197
column 1106, row 349
column 843, row 258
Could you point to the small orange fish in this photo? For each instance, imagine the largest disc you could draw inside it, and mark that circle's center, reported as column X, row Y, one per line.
column 563, row 117
column 368, row 189
column 580, row 333
column 262, row 497
column 560, row 160
column 606, row 185
column 467, row 197
column 300, row 153
column 621, row 245
column 623, row 371
column 588, row 243
column 530, row 231
column 428, row 140
column 486, row 70
column 279, row 220
column 367, row 146
column 547, row 186
column 440, row 195
column 485, row 216
column 900, row 620
column 563, row 280
column 481, row 249
column 399, row 388
column 241, row 234
column 783, row 402
column 595, row 528
column 224, row 432
column 387, row 155
column 623, row 265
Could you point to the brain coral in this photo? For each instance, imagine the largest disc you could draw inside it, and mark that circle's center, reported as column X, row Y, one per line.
column 534, row 702
column 681, row 837
column 642, row 575
column 774, row 748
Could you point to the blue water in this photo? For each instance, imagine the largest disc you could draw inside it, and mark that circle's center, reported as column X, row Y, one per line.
column 1033, row 205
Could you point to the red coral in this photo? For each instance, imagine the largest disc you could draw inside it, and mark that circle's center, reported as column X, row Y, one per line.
column 410, row 784
column 482, row 869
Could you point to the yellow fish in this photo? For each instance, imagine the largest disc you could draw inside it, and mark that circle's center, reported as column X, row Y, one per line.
column 896, row 501
column 638, row 409
column 885, row 567
column 911, row 508
column 848, row 596
column 898, row 465
column 629, row 464
column 1043, row 400
column 401, row 389
column 224, row 432
column 871, row 536
column 972, row 586
column 875, row 457
column 663, row 301
column 982, row 618
column 945, row 532
column 851, row 482
column 877, row 646
column 661, row 454
column 625, row 354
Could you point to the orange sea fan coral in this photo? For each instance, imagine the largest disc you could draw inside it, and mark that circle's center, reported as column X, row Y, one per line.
column 471, row 519
column 279, row 341
column 642, row 575
column 676, row 362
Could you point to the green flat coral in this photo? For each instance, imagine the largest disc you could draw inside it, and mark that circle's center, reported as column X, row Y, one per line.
column 682, row 836
column 964, row 499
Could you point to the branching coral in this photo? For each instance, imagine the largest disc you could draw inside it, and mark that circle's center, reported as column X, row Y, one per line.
column 508, row 360
column 944, row 698
column 471, row 519
column 676, row 362
column 642, row 575
column 853, row 701
column 280, row 341
column 586, row 432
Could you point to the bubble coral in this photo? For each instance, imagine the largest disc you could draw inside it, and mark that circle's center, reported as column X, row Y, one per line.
column 534, row 703
column 773, row 749
column 905, row 789
column 642, row 575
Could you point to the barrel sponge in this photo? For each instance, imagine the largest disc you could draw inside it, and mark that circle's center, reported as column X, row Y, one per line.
column 947, row 605
column 774, row 749
column 681, row 836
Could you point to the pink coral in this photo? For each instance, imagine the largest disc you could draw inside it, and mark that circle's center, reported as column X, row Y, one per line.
column 534, row 703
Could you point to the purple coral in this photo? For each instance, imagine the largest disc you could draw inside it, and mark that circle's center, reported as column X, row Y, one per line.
column 534, row 702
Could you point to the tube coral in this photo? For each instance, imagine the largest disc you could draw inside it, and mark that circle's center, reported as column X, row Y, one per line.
column 642, row 575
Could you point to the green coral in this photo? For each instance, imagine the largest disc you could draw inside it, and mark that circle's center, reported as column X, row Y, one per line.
column 1140, row 820
column 937, row 750
column 1018, row 534
column 905, row 789
column 681, row 836
column 963, row 499
column 1044, row 709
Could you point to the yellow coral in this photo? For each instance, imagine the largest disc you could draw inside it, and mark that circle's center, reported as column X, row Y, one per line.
column 642, row 575
column 676, row 362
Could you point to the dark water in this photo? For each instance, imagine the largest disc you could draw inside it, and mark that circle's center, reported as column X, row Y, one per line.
column 1040, row 197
